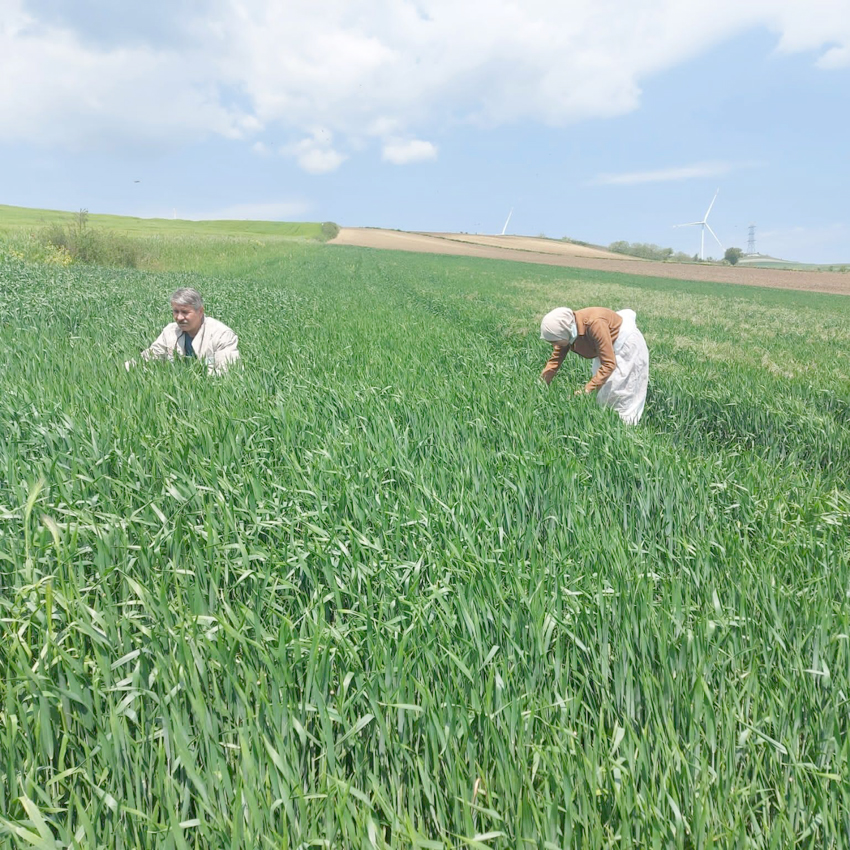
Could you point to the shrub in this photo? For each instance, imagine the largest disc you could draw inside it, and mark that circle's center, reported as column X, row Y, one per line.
column 84, row 244
column 330, row 230
column 645, row 250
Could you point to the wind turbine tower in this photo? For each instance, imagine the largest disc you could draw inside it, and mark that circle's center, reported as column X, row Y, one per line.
column 507, row 220
column 703, row 225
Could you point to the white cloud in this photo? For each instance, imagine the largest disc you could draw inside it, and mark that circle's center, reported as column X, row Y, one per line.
column 819, row 26
column 320, row 160
column 835, row 57
column 666, row 175
column 271, row 211
column 56, row 92
column 401, row 152
column 315, row 153
column 383, row 126
column 364, row 70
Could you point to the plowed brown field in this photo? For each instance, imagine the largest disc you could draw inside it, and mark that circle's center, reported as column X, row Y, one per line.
column 526, row 249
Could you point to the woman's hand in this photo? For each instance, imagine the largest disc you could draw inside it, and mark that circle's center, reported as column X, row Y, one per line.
column 582, row 391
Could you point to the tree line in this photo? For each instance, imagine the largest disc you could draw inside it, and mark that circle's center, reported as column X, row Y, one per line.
column 649, row 251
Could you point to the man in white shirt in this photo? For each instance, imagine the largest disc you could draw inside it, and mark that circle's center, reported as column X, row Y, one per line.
column 193, row 334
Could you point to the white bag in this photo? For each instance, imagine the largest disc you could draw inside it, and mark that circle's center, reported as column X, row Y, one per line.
column 625, row 388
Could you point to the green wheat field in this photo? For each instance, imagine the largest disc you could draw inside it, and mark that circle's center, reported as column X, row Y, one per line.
column 381, row 588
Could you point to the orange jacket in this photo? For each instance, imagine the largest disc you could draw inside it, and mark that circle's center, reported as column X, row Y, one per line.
column 597, row 329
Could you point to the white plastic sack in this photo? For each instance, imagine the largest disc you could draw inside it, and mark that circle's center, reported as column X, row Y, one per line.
column 625, row 389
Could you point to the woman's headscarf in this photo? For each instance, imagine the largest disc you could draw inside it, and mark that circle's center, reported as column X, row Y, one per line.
column 559, row 325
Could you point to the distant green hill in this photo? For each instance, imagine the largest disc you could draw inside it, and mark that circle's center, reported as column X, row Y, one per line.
column 16, row 218
column 764, row 261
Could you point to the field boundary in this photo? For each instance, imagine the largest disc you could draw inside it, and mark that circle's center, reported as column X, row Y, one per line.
column 464, row 245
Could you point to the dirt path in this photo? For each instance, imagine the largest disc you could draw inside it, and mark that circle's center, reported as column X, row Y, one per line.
column 551, row 253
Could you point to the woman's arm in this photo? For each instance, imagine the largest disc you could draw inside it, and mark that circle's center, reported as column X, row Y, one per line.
column 598, row 332
column 554, row 362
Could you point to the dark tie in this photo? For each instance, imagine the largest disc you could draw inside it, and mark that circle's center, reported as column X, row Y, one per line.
column 190, row 352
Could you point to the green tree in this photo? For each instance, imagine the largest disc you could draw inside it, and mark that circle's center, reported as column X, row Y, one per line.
column 732, row 255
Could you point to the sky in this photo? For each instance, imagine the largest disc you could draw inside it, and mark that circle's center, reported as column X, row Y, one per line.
column 596, row 120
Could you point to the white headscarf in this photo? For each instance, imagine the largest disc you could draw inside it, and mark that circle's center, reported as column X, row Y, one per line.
column 559, row 325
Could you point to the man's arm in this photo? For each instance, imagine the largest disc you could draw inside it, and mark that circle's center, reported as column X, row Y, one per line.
column 226, row 352
column 160, row 349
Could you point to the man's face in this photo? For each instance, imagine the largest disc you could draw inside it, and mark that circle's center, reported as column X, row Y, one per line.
column 188, row 318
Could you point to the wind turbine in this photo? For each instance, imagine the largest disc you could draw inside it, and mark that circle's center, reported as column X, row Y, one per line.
column 507, row 220
column 703, row 224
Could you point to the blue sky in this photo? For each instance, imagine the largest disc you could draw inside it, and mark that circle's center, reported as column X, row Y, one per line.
column 600, row 120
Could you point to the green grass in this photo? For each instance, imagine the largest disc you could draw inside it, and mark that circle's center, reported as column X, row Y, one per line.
column 382, row 588
column 62, row 238
column 16, row 218
column 763, row 262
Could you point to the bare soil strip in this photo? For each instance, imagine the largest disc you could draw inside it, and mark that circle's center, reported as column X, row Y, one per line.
column 549, row 252
column 538, row 245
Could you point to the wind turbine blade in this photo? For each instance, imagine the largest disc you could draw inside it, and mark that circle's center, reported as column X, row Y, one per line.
column 705, row 217
column 715, row 236
column 689, row 224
